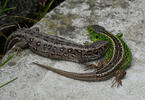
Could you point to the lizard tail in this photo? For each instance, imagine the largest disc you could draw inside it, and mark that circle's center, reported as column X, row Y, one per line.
column 77, row 76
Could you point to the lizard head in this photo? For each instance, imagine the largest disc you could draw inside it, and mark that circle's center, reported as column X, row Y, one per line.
column 96, row 33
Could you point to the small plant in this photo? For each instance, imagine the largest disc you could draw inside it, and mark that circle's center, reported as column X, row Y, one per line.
column 8, row 82
column 47, row 8
column 4, row 9
column 8, row 59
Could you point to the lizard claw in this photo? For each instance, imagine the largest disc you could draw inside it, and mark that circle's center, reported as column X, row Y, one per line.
column 100, row 65
column 19, row 46
column 91, row 66
column 16, row 49
column 119, row 74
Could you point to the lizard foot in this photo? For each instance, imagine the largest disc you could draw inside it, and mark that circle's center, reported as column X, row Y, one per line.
column 16, row 49
column 19, row 46
column 119, row 74
column 101, row 63
column 91, row 66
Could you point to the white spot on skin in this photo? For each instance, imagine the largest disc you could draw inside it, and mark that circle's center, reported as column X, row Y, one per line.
column 73, row 55
column 38, row 43
column 61, row 49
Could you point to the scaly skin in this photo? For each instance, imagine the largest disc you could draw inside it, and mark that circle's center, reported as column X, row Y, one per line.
column 115, row 60
column 127, row 59
column 55, row 47
column 127, row 53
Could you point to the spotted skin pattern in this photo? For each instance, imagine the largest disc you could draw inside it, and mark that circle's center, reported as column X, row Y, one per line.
column 55, row 47
column 112, row 68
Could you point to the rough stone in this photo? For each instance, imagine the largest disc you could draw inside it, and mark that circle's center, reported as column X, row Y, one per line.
column 69, row 20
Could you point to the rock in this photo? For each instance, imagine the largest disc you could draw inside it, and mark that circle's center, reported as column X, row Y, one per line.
column 69, row 20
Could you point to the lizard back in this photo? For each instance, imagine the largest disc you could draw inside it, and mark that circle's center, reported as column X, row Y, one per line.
column 57, row 47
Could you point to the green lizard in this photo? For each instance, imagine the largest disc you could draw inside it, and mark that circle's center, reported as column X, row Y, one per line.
column 127, row 58
column 127, row 53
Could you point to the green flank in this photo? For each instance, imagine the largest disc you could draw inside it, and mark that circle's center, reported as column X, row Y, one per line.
column 127, row 56
column 127, row 53
column 97, row 37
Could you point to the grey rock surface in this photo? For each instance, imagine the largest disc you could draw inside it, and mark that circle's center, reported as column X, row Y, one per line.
column 69, row 20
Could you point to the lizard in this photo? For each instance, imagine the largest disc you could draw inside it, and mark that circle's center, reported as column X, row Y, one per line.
column 53, row 46
column 118, row 58
column 127, row 58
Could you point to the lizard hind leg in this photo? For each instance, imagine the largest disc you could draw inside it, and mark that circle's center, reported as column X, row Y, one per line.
column 100, row 65
column 119, row 74
column 19, row 46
